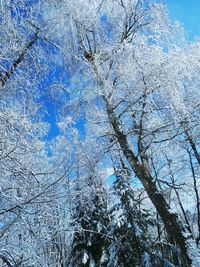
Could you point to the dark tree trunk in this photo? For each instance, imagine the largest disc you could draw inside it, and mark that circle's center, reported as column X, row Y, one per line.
column 174, row 228
column 193, row 146
column 4, row 78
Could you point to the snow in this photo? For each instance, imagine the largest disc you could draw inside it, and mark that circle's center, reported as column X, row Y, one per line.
column 85, row 258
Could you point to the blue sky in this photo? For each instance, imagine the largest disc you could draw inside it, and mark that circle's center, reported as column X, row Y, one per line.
column 188, row 13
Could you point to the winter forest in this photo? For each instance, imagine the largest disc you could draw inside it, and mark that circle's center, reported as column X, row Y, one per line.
column 99, row 135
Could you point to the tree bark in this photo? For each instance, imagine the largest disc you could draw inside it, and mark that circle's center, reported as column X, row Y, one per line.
column 4, row 78
column 193, row 146
column 172, row 224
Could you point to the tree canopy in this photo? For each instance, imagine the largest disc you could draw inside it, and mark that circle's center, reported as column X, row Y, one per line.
column 99, row 135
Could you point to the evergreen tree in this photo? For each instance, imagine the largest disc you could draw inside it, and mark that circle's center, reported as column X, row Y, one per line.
column 90, row 220
column 129, row 224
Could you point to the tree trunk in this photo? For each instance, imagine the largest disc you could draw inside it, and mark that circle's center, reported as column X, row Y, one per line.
column 174, row 228
column 4, row 78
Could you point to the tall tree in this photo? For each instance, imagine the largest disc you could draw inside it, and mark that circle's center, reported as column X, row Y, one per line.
column 129, row 224
column 126, row 60
column 90, row 215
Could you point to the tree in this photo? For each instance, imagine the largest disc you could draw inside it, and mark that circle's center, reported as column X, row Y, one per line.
column 132, row 94
column 30, row 177
column 90, row 216
column 118, row 46
column 129, row 224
